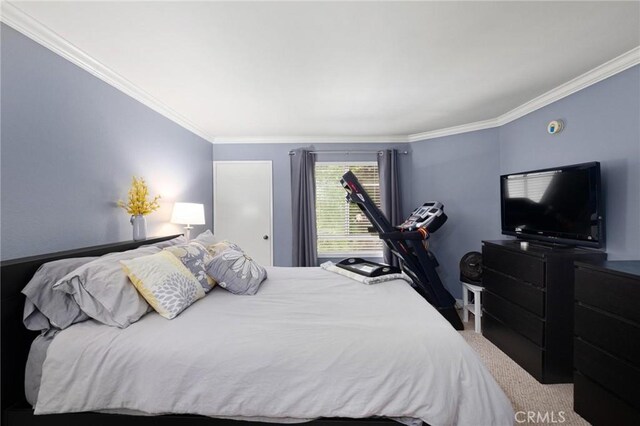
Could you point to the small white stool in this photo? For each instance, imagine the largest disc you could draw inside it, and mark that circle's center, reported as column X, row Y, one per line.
column 475, row 309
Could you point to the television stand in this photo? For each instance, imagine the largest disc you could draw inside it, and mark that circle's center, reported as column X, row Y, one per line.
column 528, row 304
column 548, row 245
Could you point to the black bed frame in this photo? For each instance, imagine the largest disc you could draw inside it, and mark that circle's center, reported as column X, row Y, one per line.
column 16, row 341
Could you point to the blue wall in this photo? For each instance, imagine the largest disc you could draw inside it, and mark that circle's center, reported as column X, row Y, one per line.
column 279, row 155
column 68, row 136
column 602, row 124
column 70, row 144
column 461, row 171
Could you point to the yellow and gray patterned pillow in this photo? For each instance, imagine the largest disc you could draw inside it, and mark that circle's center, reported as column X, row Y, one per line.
column 165, row 283
column 217, row 248
column 197, row 259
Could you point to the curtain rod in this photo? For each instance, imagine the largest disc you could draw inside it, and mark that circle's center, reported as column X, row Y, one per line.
column 349, row 152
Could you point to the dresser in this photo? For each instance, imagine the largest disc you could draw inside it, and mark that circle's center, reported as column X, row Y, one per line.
column 607, row 342
column 528, row 304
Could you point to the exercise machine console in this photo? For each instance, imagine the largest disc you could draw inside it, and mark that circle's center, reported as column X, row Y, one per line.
column 429, row 215
column 408, row 242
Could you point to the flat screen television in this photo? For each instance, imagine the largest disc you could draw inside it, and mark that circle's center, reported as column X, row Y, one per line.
column 560, row 205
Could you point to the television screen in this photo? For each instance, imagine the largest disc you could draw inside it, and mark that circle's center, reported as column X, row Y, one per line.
column 558, row 205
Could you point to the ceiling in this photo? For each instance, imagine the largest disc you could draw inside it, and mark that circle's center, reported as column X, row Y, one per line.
column 374, row 69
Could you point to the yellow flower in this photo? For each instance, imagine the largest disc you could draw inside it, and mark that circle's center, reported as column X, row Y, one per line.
column 138, row 203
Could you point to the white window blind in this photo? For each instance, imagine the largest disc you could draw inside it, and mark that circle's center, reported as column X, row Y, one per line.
column 343, row 230
column 532, row 186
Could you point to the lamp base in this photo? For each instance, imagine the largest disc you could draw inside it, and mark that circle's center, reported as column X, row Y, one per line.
column 187, row 233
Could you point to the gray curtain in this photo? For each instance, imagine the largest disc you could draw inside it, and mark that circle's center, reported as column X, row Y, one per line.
column 390, row 194
column 303, row 204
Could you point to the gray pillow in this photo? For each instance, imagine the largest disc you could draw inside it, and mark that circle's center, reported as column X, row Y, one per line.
column 206, row 238
column 172, row 242
column 103, row 291
column 237, row 272
column 44, row 307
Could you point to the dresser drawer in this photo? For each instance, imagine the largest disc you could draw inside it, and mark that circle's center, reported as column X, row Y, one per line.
column 599, row 406
column 609, row 292
column 611, row 334
column 517, row 318
column 520, row 349
column 522, row 294
column 611, row 373
column 521, row 266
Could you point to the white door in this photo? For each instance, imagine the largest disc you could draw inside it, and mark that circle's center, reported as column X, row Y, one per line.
column 242, row 206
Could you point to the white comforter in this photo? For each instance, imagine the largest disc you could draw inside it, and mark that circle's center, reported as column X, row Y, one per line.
column 309, row 344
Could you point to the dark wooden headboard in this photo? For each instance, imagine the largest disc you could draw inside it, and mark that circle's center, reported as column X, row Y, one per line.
column 16, row 339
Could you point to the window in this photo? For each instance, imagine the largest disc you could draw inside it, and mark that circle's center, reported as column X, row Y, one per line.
column 343, row 230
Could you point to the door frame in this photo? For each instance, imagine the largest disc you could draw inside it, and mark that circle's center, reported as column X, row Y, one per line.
column 270, row 163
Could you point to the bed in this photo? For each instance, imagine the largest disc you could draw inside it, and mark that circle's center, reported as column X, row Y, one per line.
column 310, row 345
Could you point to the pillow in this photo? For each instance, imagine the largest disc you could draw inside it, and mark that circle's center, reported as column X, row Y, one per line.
column 44, row 307
column 237, row 272
column 196, row 258
column 216, row 249
column 172, row 242
column 164, row 282
column 206, row 238
column 103, row 291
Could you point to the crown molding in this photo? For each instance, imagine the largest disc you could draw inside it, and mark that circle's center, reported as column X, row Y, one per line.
column 41, row 34
column 589, row 78
column 312, row 139
column 30, row 27
column 455, row 130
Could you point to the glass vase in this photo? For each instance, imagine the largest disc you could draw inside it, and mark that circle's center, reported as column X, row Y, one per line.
column 139, row 227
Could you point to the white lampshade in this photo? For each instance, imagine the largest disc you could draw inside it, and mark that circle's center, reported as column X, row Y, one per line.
column 188, row 214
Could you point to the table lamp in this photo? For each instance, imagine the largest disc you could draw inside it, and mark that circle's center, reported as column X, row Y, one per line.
column 188, row 214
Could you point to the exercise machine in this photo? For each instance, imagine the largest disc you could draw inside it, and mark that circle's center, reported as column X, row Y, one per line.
column 367, row 268
column 409, row 243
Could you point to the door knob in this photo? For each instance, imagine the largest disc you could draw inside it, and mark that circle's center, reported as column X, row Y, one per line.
column 265, row 237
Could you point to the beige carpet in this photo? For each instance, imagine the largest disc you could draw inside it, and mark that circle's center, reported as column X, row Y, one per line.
column 525, row 392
